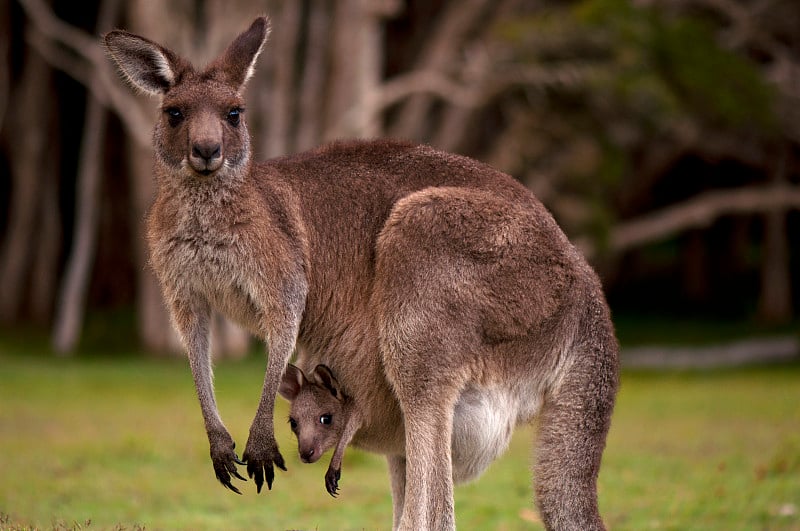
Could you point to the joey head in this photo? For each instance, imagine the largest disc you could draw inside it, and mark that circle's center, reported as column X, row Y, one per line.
column 321, row 417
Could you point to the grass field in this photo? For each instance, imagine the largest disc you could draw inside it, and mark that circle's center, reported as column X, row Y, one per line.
column 118, row 443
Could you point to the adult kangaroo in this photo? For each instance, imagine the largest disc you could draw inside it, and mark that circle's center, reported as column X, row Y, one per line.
column 449, row 273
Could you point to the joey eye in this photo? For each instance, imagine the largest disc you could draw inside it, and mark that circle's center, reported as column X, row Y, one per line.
column 174, row 115
column 326, row 419
column 234, row 116
column 293, row 424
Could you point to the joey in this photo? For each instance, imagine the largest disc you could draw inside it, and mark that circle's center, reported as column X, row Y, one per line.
column 321, row 417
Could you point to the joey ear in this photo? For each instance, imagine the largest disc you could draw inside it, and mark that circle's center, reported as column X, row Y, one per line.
column 293, row 380
column 146, row 65
column 237, row 64
column 323, row 376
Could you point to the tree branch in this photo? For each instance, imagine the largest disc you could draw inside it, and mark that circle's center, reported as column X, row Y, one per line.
column 452, row 29
column 45, row 21
column 435, row 83
column 698, row 212
column 49, row 30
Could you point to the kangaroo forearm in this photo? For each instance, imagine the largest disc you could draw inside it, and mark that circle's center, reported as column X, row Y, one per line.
column 192, row 319
column 281, row 346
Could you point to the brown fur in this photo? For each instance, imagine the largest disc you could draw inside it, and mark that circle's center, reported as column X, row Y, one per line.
column 433, row 286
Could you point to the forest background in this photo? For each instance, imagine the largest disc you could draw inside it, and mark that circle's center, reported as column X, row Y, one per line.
column 662, row 134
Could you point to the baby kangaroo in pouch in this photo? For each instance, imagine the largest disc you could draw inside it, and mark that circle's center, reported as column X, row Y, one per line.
column 439, row 291
column 322, row 417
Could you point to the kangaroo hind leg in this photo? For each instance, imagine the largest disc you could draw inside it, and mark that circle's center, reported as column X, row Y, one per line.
column 429, row 477
column 573, row 425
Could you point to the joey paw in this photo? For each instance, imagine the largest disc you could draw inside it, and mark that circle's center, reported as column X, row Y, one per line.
column 332, row 481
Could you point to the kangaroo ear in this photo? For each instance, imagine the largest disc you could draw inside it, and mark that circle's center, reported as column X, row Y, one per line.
column 237, row 64
column 145, row 64
column 293, row 380
column 323, row 376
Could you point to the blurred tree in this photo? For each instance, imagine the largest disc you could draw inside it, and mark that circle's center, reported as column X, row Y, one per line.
column 775, row 301
column 652, row 85
column 71, row 302
column 30, row 247
column 5, row 62
column 634, row 122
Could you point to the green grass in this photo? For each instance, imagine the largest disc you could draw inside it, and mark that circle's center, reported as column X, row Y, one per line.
column 118, row 442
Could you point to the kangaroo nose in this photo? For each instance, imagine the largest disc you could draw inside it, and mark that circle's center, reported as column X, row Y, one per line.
column 208, row 151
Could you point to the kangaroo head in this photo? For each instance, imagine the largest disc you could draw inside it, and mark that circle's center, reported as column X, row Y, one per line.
column 317, row 413
column 201, row 131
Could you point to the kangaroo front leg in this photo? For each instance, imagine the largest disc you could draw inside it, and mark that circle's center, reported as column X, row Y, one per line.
column 192, row 321
column 262, row 451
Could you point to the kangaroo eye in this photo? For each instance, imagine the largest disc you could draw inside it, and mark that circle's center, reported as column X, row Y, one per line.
column 174, row 115
column 326, row 419
column 234, row 115
column 293, row 424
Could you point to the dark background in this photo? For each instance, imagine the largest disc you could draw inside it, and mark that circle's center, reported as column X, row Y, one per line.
column 663, row 135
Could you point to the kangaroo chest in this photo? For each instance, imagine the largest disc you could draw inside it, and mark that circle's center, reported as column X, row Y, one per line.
column 200, row 254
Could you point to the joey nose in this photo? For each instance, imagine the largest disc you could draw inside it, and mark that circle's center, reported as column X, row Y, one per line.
column 307, row 456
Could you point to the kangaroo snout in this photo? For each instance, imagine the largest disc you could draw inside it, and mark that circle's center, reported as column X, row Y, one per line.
column 205, row 142
column 206, row 156
column 206, row 150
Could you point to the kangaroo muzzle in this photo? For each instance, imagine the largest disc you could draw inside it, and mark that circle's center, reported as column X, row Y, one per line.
column 205, row 139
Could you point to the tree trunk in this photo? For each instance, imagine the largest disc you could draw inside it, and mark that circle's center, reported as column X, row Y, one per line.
column 228, row 340
column 356, row 68
column 45, row 268
column 281, row 105
column 775, row 302
column 28, row 159
column 312, row 87
column 5, row 63
column 72, row 298
column 447, row 37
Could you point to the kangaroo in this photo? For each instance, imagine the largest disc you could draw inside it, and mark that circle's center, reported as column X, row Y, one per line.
column 447, row 275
